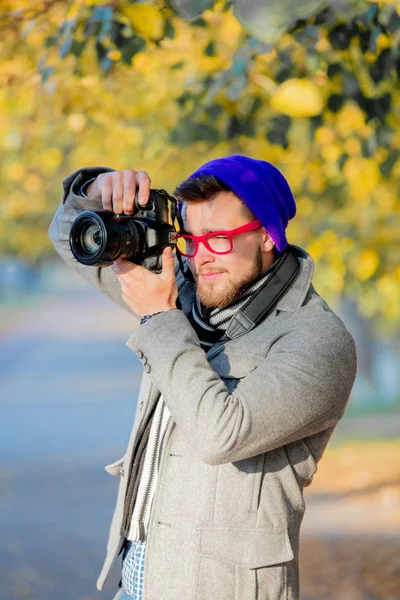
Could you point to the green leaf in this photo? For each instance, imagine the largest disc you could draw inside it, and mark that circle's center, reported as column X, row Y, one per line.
column 237, row 127
column 373, row 39
column 336, row 102
column 387, row 166
column 189, row 132
column 341, row 36
column 278, row 130
column 199, row 22
column 266, row 21
column 350, row 83
column 334, row 69
column 394, row 22
column 119, row 33
column 101, row 52
column 308, row 36
column 368, row 147
column 342, row 160
column 77, row 47
column 50, row 41
column 178, row 65
column 184, row 98
column 257, row 103
column 212, row 112
column 368, row 17
column 210, row 49
column 132, row 47
column 169, row 30
column 314, row 123
column 189, row 9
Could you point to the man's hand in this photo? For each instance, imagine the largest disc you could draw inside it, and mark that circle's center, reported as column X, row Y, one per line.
column 118, row 188
column 145, row 292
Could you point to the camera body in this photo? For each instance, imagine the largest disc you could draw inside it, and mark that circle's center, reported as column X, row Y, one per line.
column 98, row 238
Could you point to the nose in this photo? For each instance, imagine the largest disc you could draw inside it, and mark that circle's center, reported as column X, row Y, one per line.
column 203, row 256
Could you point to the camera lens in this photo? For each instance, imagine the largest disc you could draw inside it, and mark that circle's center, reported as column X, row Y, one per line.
column 98, row 238
column 91, row 238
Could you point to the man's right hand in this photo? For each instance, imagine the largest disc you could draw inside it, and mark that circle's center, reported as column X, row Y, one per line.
column 117, row 190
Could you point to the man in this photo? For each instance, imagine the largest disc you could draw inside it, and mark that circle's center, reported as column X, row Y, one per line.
column 242, row 388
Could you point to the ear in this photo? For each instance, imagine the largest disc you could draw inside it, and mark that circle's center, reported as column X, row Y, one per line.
column 267, row 241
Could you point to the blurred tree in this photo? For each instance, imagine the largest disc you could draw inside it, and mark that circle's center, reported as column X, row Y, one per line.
column 311, row 87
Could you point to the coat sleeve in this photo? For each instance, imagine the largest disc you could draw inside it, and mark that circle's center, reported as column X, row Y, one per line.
column 300, row 388
column 103, row 278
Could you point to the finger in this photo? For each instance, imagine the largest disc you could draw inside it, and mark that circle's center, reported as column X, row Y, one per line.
column 121, row 267
column 118, row 192
column 106, row 187
column 129, row 191
column 144, row 182
column 167, row 264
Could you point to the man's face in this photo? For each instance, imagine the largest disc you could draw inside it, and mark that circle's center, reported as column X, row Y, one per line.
column 221, row 278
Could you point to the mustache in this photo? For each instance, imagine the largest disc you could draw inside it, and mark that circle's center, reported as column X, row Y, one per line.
column 208, row 270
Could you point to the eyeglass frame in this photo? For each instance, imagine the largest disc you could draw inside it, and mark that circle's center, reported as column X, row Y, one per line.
column 230, row 234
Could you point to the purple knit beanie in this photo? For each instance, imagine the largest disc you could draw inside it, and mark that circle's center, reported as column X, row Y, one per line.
column 261, row 186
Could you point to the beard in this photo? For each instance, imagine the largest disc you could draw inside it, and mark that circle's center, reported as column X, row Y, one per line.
column 211, row 296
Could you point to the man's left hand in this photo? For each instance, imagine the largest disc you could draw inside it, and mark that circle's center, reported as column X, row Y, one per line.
column 145, row 292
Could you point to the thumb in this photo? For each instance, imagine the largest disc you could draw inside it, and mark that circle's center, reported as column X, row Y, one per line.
column 167, row 263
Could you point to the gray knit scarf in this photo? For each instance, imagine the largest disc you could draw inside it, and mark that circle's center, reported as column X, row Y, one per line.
column 210, row 324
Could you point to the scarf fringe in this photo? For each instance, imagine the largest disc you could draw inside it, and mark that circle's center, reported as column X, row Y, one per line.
column 138, row 531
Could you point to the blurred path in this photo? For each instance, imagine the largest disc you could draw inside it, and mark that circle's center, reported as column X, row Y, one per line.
column 68, row 388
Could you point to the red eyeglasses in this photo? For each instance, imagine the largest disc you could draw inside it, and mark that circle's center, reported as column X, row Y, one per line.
column 217, row 242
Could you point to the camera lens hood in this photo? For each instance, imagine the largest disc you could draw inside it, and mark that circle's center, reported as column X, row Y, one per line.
column 88, row 238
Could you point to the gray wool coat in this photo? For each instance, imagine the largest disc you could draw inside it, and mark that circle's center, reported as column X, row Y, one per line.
column 250, row 421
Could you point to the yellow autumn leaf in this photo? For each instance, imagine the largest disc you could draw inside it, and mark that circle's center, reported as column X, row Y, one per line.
column 350, row 119
column 352, row 146
column 114, row 55
column 145, row 19
column 324, row 135
column 16, row 171
column 32, row 184
column 365, row 264
column 363, row 176
column 51, row 158
column 297, row 98
column 331, row 152
column 386, row 285
column 383, row 41
column 77, row 122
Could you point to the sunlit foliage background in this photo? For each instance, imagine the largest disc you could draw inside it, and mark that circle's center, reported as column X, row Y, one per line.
column 165, row 86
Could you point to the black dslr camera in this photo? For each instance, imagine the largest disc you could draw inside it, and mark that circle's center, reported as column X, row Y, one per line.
column 98, row 238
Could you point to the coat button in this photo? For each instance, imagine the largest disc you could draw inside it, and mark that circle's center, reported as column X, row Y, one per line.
column 147, row 368
column 140, row 354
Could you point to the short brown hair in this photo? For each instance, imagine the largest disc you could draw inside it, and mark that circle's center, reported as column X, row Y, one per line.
column 204, row 188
